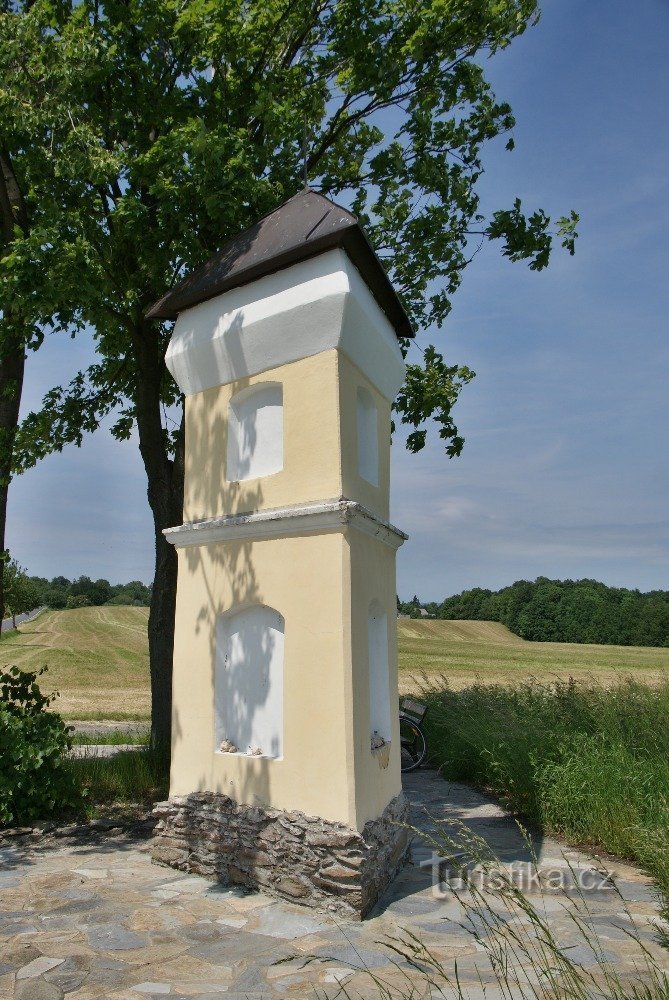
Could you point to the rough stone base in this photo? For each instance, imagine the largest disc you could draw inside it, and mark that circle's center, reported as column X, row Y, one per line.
column 301, row 858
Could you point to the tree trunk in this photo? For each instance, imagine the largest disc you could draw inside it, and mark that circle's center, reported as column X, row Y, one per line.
column 161, row 640
column 12, row 364
column 165, row 494
column 13, row 214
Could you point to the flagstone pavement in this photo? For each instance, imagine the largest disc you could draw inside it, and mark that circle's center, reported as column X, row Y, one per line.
column 91, row 917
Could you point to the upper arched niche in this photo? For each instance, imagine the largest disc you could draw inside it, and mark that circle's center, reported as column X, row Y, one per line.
column 255, row 432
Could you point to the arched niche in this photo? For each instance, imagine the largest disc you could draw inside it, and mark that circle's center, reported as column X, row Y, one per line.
column 249, row 680
column 368, row 436
column 255, row 432
column 379, row 679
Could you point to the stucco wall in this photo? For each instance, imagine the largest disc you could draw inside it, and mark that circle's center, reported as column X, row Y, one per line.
column 322, row 585
column 303, row 579
column 376, row 498
column 320, row 459
column 372, row 569
column 311, row 447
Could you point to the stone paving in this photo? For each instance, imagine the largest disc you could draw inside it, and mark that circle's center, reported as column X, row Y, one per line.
column 90, row 918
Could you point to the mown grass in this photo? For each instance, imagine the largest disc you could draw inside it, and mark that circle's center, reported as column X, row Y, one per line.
column 97, row 658
column 467, row 652
column 582, row 761
column 99, row 663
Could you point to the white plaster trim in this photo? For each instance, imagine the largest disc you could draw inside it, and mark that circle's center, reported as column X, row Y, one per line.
column 298, row 519
column 314, row 306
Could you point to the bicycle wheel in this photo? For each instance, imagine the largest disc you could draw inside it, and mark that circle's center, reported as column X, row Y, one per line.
column 413, row 745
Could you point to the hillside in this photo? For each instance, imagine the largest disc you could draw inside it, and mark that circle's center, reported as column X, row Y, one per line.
column 98, row 658
column 456, row 631
column 468, row 651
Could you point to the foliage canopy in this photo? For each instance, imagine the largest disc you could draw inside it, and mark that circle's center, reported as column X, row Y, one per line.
column 565, row 611
column 20, row 593
column 145, row 133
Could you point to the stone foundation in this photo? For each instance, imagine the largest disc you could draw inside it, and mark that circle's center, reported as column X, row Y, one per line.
column 300, row 858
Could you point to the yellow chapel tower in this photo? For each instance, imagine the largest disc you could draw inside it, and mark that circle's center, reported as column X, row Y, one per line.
column 285, row 749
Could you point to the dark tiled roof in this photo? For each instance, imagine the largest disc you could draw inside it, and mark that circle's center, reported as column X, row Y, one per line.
column 306, row 225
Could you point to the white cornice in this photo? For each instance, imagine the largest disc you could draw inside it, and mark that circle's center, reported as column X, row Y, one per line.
column 298, row 519
column 317, row 305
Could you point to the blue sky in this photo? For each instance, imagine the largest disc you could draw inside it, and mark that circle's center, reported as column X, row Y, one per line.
column 565, row 467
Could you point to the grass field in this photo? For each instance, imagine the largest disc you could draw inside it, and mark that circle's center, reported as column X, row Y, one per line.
column 98, row 660
column 465, row 652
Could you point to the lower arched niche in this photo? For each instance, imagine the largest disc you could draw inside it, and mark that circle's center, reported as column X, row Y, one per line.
column 249, row 681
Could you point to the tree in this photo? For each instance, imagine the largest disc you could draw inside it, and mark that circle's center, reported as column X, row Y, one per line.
column 21, row 594
column 77, row 601
column 56, row 594
column 30, row 210
column 569, row 611
column 97, row 592
column 192, row 124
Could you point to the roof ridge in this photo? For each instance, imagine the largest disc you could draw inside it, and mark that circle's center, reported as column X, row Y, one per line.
column 277, row 208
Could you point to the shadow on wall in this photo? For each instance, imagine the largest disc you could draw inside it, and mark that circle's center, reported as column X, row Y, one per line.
column 245, row 642
column 207, row 490
column 255, row 432
column 245, row 638
column 248, row 702
column 249, row 680
column 227, row 444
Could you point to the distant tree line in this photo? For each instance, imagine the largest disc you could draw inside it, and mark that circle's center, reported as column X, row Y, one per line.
column 411, row 608
column 562, row 611
column 82, row 592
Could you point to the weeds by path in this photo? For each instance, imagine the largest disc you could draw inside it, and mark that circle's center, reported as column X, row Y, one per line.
column 579, row 760
column 138, row 776
column 520, row 953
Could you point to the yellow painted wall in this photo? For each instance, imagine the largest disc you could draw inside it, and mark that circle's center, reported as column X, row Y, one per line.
column 320, row 442
column 302, row 579
column 327, row 767
column 375, row 498
column 372, row 567
column 311, row 450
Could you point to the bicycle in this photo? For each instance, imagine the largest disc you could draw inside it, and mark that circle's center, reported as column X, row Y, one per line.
column 413, row 745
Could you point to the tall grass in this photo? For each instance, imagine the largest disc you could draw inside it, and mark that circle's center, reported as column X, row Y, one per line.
column 579, row 760
column 137, row 776
column 104, row 715
column 112, row 737
column 528, row 957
